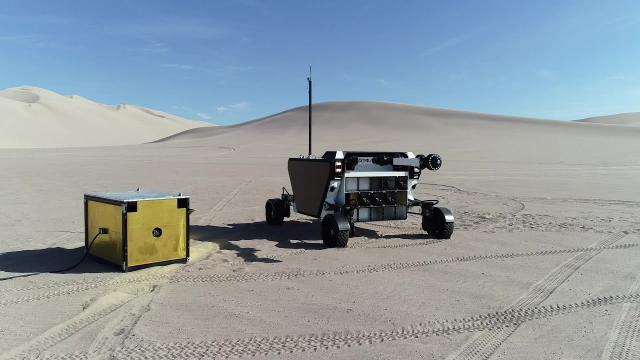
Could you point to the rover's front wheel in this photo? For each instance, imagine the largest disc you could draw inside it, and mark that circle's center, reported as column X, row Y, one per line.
column 332, row 236
column 274, row 211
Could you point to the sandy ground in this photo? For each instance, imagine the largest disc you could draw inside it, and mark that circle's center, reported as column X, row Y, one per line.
column 543, row 263
column 32, row 117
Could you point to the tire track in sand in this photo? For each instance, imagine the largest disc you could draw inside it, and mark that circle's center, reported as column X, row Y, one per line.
column 624, row 339
column 378, row 268
column 96, row 311
column 152, row 275
column 519, row 202
column 74, row 287
column 519, row 221
column 116, row 331
column 254, row 346
column 213, row 214
column 484, row 345
column 289, row 275
column 114, row 334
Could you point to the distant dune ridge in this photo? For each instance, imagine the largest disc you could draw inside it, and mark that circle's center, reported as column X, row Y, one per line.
column 627, row 119
column 362, row 125
column 32, row 117
column 354, row 119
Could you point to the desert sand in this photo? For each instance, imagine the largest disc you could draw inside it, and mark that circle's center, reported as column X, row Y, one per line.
column 33, row 117
column 543, row 264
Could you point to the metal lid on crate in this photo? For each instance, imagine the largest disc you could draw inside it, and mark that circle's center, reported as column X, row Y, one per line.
column 127, row 196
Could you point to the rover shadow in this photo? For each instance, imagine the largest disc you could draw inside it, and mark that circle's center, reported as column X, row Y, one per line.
column 293, row 234
column 48, row 260
column 290, row 235
column 372, row 234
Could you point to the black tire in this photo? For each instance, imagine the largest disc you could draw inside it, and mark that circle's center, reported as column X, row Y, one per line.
column 446, row 231
column 436, row 226
column 332, row 236
column 274, row 211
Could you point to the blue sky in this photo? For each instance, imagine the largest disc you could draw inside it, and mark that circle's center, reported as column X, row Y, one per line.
column 232, row 61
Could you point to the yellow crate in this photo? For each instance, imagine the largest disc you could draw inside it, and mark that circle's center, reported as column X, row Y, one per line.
column 144, row 228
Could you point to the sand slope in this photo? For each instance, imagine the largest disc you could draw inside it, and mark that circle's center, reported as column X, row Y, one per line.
column 627, row 119
column 385, row 126
column 34, row 117
column 543, row 263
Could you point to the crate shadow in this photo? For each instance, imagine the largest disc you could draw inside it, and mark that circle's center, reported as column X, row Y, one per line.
column 42, row 261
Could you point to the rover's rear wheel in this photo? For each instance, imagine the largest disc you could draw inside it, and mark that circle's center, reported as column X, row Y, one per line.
column 274, row 211
column 435, row 224
column 332, row 236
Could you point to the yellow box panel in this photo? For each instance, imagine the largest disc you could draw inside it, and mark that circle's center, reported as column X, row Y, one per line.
column 145, row 248
column 107, row 246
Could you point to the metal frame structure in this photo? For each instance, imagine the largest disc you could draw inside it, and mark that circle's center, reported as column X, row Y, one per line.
column 345, row 187
column 115, row 214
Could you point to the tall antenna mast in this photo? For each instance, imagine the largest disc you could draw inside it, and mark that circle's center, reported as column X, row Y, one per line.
column 310, row 83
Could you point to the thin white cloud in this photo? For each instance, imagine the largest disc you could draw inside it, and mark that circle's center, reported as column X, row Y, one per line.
column 155, row 47
column 179, row 66
column 17, row 38
column 238, row 107
column 618, row 78
column 229, row 70
column 369, row 80
column 219, row 71
column 35, row 41
column 382, row 82
column 204, row 116
column 446, row 44
column 170, row 27
column 35, row 19
column 243, row 105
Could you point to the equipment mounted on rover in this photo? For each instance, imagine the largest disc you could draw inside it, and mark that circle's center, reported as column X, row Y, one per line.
column 345, row 187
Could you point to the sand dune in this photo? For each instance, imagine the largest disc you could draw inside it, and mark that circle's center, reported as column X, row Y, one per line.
column 543, row 262
column 385, row 126
column 627, row 119
column 32, row 117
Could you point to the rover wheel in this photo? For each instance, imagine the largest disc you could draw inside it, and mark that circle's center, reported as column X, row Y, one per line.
column 274, row 211
column 332, row 236
column 436, row 225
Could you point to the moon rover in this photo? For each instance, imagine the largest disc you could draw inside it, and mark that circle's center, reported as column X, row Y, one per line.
column 345, row 187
